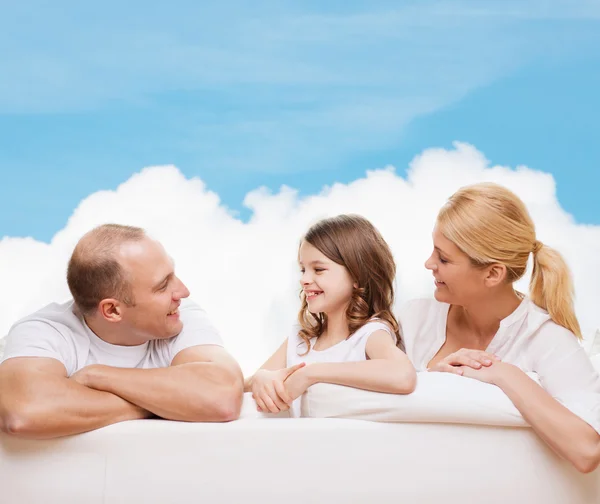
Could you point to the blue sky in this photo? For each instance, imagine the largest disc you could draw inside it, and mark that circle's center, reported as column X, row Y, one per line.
column 270, row 93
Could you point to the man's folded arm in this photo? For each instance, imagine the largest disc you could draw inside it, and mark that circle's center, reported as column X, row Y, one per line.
column 203, row 384
column 38, row 401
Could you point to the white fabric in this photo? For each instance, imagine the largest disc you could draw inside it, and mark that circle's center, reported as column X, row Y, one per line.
column 260, row 459
column 291, row 461
column 528, row 339
column 58, row 331
column 595, row 344
column 439, row 397
column 351, row 349
column 249, row 409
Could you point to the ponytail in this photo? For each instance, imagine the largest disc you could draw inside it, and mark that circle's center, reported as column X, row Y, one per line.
column 551, row 287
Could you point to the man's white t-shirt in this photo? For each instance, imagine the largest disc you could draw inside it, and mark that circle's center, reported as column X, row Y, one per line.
column 528, row 339
column 58, row 331
column 352, row 349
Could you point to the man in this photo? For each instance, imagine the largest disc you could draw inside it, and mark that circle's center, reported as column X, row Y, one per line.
column 128, row 346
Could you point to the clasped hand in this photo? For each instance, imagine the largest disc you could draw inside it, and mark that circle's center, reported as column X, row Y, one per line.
column 275, row 391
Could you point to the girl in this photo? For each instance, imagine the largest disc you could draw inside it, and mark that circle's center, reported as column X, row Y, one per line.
column 479, row 326
column 347, row 333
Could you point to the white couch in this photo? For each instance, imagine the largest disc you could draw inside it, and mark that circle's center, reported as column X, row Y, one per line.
column 454, row 440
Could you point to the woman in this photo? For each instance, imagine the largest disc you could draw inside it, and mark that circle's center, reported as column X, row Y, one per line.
column 478, row 326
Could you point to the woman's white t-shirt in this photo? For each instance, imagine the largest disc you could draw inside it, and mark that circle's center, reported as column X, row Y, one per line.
column 352, row 349
column 528, row 339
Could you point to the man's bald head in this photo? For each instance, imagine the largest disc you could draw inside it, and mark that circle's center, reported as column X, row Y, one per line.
column 94, row 272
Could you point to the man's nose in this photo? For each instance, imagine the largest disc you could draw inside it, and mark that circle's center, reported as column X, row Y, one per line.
column 181, row 292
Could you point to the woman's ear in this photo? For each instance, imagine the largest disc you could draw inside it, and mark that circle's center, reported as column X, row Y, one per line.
column 496, row 274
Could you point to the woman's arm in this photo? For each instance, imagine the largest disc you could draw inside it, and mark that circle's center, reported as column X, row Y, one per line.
column 567, row 434
column 564, row 410
column 387, row 370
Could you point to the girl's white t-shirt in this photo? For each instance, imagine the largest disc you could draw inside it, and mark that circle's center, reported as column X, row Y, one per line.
column 528, row 339
column 351, row 349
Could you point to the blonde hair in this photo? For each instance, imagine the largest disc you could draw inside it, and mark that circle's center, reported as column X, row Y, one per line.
column 353, row 242
column 491, row 224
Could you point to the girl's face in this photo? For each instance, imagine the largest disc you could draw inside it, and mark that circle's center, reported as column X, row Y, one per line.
column 327, row 285
column 457, row 280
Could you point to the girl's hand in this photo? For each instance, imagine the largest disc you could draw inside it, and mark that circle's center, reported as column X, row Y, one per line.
column 268, row 390
column 296, row 384
column 457, row 361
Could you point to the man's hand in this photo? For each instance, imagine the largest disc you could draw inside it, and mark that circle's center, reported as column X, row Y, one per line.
column 92, row 376
column 202, row 384
column 89, row 375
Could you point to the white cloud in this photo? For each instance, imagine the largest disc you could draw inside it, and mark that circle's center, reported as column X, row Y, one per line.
column 245, row 274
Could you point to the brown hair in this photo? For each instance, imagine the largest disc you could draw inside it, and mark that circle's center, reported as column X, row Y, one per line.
column 353, row 242
column 94, row 273
column 491, row 224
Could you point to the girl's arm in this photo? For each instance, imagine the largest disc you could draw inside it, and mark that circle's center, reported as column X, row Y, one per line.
column 277, row 361
column 386, row 370
column 266, row 384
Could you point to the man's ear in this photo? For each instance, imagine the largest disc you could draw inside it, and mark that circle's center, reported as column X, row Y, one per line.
column 495, row 275
column 110, row 309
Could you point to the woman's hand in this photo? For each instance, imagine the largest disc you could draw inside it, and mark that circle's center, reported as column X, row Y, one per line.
column 489, row 374
column 464, row 358
column 268, row 390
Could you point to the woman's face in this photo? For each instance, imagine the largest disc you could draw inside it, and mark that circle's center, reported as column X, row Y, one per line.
column 457, row 280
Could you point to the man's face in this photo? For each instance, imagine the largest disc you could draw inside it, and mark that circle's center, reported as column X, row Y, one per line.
column 156, row 290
